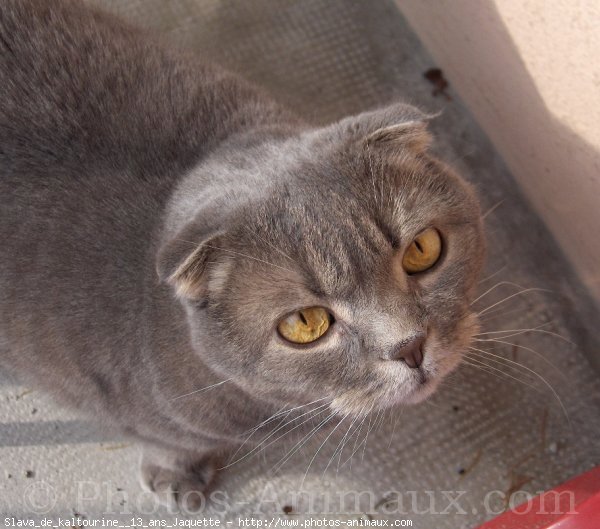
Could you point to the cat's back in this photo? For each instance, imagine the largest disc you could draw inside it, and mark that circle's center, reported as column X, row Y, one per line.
column 97, row 123
column 84, row 130
column 68, row 203
column 78, row 85
column 85, row 96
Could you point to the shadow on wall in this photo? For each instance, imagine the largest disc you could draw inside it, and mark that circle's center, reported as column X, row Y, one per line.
column 558, row 169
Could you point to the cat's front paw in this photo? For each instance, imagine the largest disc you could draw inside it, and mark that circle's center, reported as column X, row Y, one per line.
column 176, row 479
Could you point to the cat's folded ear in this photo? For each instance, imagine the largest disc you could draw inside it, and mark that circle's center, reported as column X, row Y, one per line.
column 182, row 259
column 399, row 126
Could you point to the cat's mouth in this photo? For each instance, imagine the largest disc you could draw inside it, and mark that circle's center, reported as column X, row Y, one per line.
column 398, row 385
column 412, row 389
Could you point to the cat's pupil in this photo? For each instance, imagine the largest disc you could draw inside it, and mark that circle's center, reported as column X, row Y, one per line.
column 418, row 245
column 302, row 318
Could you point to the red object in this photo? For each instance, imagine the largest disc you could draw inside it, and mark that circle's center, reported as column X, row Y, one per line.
column 572, row 505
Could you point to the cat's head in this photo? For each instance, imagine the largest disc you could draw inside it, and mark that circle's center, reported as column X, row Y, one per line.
column 339, row 263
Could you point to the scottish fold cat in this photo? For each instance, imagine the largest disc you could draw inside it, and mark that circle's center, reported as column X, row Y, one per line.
column 186, row 261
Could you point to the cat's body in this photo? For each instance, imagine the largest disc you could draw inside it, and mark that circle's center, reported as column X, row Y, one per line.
column 159, row 215
column 89, row 183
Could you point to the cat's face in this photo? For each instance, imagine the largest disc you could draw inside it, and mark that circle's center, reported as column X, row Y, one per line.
column 349, row 278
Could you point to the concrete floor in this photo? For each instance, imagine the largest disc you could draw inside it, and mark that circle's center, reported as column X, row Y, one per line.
column 486, row 432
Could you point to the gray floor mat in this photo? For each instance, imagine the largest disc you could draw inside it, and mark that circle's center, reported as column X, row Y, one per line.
column 488, row 431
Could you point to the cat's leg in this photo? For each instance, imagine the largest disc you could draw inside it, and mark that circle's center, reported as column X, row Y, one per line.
column 177, row 477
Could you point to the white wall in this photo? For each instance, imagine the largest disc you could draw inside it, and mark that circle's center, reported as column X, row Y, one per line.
column 529, row 70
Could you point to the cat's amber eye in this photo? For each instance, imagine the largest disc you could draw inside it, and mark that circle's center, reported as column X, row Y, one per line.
column 423, row 252
column 305, row 325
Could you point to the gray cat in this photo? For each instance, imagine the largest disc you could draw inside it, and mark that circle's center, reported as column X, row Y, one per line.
column 185, row 259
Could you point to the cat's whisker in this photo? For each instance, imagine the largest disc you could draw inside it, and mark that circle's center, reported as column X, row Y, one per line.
column 480, row 355
column 248, row 257
column 340, row 448
column 491, row 276
column 319, row 449
column 366, row 435
column 362, row 416
column 506, row 308
column 492, row 209
column 201, row 390
column 498, row 373
column 301, row 443
column 384, row 417
column 525, row 329
column 369, row 428
column 536, row 374
column 525, row 348
column 378, row 425
column 533, row 289
column 252, row 431
column 517, row 332
column 314, row 412
column 227, row 250
column 357, row 432
column 282, row 411
column 261, row 446
column 379, row 418
column 396, row 419
column 499, row 313
column 499, row 284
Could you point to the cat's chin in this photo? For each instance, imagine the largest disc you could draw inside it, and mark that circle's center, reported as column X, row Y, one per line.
column 418, row 389
column 421, row 392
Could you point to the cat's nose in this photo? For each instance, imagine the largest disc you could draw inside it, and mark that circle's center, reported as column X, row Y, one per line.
column 410, row 351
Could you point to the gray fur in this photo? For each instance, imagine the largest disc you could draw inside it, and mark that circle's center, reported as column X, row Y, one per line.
column 160, row 216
